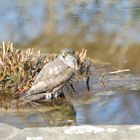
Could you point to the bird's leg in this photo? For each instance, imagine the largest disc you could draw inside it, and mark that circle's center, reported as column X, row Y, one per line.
column 72, row 87
column 88, row 73
column 62, row 95
column 87, row 83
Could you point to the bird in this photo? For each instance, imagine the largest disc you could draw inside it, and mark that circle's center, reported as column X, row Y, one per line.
column 54, row 77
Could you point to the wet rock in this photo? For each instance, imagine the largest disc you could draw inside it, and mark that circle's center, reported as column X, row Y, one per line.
column 7, row 131
column 79, row 132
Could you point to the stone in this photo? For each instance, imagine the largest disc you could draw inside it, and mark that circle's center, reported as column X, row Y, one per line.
column 85, row 132
column 7, row 131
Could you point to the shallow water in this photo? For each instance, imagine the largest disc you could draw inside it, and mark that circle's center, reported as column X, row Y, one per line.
column 102, row 108
column 23, row 119
column 120, row 107
column 41, row 116
column 114, row 101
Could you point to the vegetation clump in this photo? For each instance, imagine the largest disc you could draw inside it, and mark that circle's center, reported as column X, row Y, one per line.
column 18, row 69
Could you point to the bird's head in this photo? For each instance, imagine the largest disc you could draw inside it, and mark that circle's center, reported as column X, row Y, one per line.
column 69, row 57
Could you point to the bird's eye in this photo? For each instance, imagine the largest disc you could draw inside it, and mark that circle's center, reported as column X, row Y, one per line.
column 70, row 52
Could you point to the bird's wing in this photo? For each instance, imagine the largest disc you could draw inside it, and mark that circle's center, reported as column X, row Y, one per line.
column 51, row 69
column 51, row 76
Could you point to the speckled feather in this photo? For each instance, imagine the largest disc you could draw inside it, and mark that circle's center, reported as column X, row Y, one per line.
column 52, row 78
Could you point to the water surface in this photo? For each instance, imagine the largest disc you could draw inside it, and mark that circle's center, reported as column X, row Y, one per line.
column 119, row 108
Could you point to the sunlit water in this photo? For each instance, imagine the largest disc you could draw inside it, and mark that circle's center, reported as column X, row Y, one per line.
column 108, row 29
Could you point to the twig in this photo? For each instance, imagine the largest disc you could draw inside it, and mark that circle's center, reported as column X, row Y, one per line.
column 119, row 71
column 102, row 77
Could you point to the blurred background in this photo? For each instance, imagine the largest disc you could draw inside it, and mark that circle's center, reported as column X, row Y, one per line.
column 108, row 29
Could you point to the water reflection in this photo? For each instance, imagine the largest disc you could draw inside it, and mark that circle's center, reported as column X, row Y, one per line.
column 119, row 108
column 39, row 117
